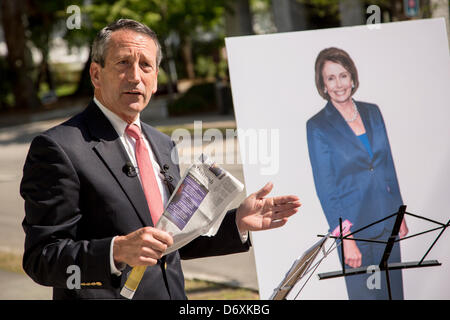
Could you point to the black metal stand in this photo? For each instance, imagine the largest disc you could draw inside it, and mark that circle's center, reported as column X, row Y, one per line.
column 384, row 265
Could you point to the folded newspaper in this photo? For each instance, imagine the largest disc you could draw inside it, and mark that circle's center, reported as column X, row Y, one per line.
column 196, row 207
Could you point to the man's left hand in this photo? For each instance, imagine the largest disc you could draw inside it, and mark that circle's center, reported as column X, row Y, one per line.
column 259, row 213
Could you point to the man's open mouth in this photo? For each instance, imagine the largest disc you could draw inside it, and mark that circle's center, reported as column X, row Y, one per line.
column 133, row 92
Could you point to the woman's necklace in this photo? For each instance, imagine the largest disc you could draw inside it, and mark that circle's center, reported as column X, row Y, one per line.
column 355, row 113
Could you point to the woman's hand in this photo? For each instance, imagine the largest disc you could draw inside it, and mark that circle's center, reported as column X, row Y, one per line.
column 352, row 254
column 403, row 229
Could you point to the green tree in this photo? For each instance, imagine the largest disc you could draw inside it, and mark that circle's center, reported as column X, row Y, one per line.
column 24, row 22
column 165, row 17
column 19, row 65
column 44, row 18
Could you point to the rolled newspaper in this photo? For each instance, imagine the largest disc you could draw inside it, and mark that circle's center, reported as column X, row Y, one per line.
column 196, row 207
column 133, row 281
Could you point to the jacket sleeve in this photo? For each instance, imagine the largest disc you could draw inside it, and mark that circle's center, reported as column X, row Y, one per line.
column 51, row 189
column 324, row 176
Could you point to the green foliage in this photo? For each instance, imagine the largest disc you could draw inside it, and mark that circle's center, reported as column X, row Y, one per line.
column 163, row 16
column 45, row 18
column 322, row 13
column 65, row 73
column 199, row 98
column 322, row 8
column 185, row 19
column 199, row 21
column 325, row 13
column 205, row 67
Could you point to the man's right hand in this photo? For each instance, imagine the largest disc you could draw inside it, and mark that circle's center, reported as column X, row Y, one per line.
column 142, row 247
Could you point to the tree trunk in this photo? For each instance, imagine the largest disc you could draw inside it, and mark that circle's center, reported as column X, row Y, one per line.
column 169, row 68
column 352, row 12
column 238, row 18
column 186, row 51
column 289, row 15
column 85, row 87
column 24, row 93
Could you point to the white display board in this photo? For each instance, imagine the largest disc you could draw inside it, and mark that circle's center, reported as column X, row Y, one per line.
column 404, row 68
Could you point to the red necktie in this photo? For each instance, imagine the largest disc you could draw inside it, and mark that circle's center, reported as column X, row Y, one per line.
column 147, row 175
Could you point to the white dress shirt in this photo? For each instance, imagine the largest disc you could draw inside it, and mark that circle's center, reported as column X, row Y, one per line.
column 130, row 146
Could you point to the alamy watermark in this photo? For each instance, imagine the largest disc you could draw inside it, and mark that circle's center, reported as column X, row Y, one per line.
column 74, row 279
column 374, row 280
column 374, row 19
column 259, row 147
column 74, row 20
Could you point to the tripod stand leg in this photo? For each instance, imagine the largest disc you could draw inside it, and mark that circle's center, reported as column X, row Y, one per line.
column 342, row 246
column 390, row 244
column 434, row 242
column 394, row 234
column 388, row 283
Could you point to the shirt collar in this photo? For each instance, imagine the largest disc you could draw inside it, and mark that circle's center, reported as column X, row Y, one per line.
column 118, row 123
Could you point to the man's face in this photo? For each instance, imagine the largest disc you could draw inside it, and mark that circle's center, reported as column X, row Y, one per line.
column 129, row 78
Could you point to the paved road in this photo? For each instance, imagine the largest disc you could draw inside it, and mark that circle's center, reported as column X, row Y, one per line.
column 236, row 269
column 14, row 286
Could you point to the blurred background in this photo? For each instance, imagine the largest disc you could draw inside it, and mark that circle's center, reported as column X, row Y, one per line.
column 44, row 79
column 45, row 45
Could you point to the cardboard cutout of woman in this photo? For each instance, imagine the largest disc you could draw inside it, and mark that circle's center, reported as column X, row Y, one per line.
column 353, row 171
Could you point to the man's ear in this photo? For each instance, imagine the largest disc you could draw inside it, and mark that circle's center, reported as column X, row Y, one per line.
column 94, row 71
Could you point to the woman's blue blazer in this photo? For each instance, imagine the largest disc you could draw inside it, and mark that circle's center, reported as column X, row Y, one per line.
column 348, row 182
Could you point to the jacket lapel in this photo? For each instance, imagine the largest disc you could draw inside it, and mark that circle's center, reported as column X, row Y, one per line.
column 111, row 151
column 367, row 121
column 163, row 156
column 336, row 120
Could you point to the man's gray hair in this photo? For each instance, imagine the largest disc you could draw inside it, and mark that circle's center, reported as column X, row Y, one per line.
column 100, row 44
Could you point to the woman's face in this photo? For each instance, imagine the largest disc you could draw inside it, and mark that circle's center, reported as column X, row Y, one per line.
column 337, row 82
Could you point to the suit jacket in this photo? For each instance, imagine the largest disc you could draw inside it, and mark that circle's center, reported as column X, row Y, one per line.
column 78, row 197
column 348, row 182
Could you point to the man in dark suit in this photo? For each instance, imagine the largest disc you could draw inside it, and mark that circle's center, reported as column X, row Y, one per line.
column 85, row 206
